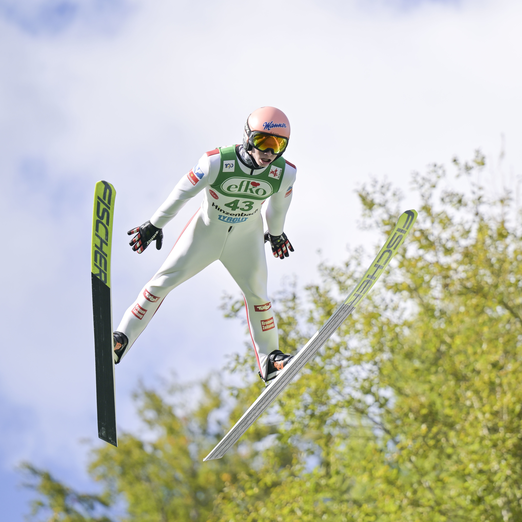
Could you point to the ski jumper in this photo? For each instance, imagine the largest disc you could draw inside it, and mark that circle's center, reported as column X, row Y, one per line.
column 227, row 227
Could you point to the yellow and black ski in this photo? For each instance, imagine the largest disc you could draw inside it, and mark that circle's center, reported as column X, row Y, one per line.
column 103, row 216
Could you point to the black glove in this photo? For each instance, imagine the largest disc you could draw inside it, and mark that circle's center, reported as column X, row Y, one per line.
column 280, row 245
column 145, row 235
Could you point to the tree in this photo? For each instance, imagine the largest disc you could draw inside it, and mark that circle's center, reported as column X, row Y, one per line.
column 160, row 474
column 59, row 503
column 412, row 411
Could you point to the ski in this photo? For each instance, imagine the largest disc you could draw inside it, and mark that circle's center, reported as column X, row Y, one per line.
column 269, row 394
column 103, row 216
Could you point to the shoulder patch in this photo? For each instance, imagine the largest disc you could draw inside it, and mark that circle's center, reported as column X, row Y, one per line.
column 291, row 164
column 213, row 152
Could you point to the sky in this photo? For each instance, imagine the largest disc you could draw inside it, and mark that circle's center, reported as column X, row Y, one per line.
column 134, row 92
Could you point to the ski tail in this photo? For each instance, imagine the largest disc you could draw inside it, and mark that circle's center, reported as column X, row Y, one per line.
column 103, row 217
column 276, row 387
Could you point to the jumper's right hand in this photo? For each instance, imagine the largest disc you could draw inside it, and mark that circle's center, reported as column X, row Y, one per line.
column 145, row 235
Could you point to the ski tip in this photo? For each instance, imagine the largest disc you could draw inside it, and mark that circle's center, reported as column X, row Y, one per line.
column 407, row 219
column 104, row 183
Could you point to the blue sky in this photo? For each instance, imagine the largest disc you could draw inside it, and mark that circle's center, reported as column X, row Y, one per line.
column 44, row 18
column 134, row 92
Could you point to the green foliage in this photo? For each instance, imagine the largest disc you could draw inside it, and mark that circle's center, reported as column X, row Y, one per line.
column 161, row 474
column 59, row 503
column 412, row 411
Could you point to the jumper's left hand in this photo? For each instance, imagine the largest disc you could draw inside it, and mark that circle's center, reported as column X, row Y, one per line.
column 281, row 247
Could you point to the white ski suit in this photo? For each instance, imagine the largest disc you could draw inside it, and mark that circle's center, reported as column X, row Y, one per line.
column 227, row 227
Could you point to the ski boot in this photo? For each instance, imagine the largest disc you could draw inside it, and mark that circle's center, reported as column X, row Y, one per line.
column 120, row 342
column 277, row 360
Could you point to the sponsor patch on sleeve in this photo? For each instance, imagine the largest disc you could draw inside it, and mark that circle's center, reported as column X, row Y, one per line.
column 139, row 311
column 198, row 172
column 195, row 175
column 267, row 324
column 149, row 297
column 263, row 307
column 288, row 192
column 193, row 178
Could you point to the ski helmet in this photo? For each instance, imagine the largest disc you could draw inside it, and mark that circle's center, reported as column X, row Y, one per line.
column 267, row 128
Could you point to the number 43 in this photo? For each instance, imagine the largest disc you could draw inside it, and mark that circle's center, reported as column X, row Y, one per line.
column 234, row 205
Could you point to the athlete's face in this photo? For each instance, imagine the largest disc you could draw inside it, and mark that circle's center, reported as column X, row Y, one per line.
column 263, row 159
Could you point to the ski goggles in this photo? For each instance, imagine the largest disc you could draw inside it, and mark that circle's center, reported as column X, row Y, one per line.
column 264, row 142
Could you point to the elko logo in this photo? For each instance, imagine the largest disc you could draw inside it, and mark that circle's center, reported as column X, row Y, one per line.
column 244, row 187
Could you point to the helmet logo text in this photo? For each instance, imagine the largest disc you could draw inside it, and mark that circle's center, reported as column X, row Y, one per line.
column 269, row 125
